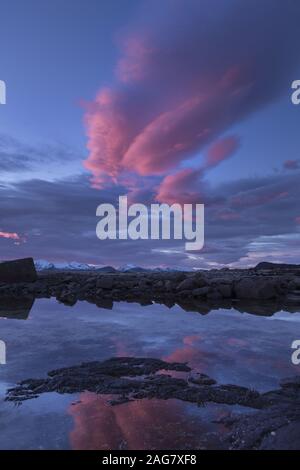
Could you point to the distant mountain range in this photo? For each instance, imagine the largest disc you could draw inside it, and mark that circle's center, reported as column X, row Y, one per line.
column 44, row 265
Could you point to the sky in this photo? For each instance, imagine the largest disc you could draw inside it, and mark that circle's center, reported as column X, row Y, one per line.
column 166, row 101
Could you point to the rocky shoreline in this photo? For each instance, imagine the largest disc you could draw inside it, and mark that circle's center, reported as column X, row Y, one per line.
column 262, row 290
column 275, row 420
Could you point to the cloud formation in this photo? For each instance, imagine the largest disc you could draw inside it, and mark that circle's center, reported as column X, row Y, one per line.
column 11, row 235
column 187, row 185
column 178, row 90
column 246, row 221
column 291, row 164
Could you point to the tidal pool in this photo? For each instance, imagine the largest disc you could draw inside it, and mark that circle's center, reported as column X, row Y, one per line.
column 230, row 347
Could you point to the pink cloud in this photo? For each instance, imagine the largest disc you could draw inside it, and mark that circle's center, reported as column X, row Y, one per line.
column 221, row 150
column 118, row 141
column 291, row 164
column 297, row 220
column 182, row 187
column 178, row 89
column 11, row 235
column 108, row 133
column 136, row 59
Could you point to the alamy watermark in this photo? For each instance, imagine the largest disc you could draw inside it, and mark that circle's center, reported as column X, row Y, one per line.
column 2, row 92
column 2, row 352
column 159, row 222
column 295, row 96
column 296, row 353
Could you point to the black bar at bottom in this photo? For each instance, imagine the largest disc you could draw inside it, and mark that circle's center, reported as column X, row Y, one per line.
column 135, row 459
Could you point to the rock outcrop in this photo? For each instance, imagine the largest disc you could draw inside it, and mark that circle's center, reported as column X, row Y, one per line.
column 20, row 270
column 258, row 291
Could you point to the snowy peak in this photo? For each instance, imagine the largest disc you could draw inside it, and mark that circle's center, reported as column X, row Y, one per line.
column 42, row 265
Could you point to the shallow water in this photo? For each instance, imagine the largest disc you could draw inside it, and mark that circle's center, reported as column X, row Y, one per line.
column 229, row 346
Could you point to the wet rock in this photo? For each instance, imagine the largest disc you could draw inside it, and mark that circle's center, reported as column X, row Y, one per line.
column 201, row 379
column 284, row 438
column 296, row 282
column 67, row 298
column 159, row 284
column 255, row 289
column 214, row 294
column 225, row 290
column 258, row 430
column 116, row 376
column 187, row 284
column 168, row 285
column 201, row 291
column 106, row 282
column 291, row 382
column 201, row 281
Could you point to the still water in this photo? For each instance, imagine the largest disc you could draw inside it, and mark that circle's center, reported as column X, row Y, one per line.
column 231, row 347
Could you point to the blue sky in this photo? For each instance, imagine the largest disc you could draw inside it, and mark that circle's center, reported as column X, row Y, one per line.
column 53, row 55
column 220, row 70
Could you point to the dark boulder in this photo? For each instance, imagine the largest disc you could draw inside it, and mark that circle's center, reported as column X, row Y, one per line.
column 258, row 289
column 20, row 270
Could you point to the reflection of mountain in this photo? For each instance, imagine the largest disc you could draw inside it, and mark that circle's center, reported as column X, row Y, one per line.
column 16, row 307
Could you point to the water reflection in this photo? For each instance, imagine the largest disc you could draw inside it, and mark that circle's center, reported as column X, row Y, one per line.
column 143, row 424
column 231, row 347
column 19, row 308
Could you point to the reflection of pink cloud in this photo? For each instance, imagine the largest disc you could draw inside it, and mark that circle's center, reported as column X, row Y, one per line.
column 11, row 235
column 297, row 220
column 189, row 352
column 191, row 340
column 121, row 349
column 137, row 425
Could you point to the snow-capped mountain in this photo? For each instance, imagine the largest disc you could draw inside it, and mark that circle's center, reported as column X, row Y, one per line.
column 131, row 268
column 42, row 264
column 74, row 265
